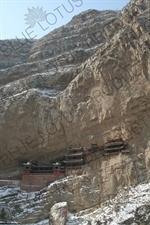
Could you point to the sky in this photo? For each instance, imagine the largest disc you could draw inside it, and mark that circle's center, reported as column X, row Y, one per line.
column 44, row 16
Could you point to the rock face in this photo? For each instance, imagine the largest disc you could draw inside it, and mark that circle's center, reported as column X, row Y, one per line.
column 131, row 205
column 57, row 53
column 45, row 75
column 90, row 86
column 58, row 214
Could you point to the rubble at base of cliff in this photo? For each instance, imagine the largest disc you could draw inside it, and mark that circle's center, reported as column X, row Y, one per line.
column 130, row 206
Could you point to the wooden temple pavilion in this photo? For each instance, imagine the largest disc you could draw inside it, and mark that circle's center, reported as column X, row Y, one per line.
column 29, row 168
column 74, row 158
column 115, row 145
column 94, row 148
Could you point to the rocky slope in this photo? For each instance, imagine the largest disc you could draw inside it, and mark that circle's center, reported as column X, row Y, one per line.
column 52, row 99
column 130, row 206
column 57, row 53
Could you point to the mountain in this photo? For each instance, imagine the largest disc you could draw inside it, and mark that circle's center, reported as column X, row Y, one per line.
column 85, row 82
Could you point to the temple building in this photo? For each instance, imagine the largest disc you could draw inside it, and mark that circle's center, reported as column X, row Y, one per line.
column 74, row 158
column 35, row 178
column 115, row 146
column 94, row 148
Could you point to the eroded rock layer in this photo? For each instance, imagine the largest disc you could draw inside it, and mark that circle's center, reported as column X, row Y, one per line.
column 90, row 86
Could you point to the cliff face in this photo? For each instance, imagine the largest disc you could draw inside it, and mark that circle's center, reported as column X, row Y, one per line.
column 85, row 82
column 57, row 53
column 48, row 65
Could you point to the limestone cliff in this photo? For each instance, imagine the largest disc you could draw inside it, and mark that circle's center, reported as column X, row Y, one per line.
column 86, row 82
